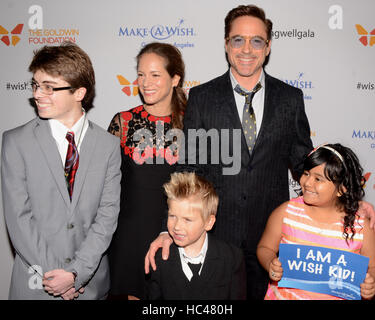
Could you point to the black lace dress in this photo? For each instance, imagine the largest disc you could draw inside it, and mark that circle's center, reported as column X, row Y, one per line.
column 147, row 162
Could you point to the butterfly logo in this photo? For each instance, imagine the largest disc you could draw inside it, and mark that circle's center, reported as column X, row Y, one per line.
column 366, row 177
column 127, row 85
column 365, row 36
column 15, row 39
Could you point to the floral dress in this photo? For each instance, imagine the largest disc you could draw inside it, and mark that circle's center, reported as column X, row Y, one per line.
column 149, row 155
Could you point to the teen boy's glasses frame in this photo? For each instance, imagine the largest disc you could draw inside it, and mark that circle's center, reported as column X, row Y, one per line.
column 46, row 88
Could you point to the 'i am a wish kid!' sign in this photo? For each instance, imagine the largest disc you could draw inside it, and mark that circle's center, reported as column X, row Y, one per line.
column 317, row 269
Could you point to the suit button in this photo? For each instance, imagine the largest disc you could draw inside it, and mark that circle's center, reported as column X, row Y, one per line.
column 68, row 260
column 70, row 226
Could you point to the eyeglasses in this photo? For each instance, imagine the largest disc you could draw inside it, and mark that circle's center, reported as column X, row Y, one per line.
column 256, row 42
column 46, row 88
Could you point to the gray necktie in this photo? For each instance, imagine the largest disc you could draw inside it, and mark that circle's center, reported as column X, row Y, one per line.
column 248, row 116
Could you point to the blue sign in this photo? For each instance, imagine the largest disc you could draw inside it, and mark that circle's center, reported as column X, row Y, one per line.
column 317, row 269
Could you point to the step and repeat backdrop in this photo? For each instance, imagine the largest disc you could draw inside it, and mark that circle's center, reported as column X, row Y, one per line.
column 325, row 48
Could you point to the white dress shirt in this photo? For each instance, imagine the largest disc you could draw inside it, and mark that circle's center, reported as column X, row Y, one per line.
column 198, row 259
column 59, row 132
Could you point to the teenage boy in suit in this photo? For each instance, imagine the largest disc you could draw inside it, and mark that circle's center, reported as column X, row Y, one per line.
column 200, row 266
column 60, row 184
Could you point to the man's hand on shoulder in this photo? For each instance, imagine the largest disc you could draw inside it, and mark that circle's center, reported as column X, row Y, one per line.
column 163, row 241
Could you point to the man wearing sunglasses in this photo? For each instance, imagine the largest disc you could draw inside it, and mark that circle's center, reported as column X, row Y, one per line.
column 61, row 184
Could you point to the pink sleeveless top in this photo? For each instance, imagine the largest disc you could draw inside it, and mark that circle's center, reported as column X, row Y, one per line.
column 299, row 228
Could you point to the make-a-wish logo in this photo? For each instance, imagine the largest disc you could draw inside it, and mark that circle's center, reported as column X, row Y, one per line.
column 158, row 31
column 301, row 83
column 365, row 135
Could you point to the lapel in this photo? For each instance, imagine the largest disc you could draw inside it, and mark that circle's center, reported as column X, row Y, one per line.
column 48, row 146
column 231, row 118
column 176, row 272
column 270, row 105
column 49, row 149
column 85, row 157
column 211, row 261
column 225, row 101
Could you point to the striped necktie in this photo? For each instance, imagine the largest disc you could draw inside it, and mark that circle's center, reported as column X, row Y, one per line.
column 71, row 163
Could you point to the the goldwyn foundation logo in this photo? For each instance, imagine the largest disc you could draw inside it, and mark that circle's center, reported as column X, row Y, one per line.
column 13, row 38
column 365, row 38
column 38, row 34
column 53, row 36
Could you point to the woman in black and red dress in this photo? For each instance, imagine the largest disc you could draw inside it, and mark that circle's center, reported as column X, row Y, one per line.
column 148, row 158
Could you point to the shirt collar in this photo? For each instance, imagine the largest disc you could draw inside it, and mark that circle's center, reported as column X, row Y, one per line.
column 59, row 130
column 197, row 259
column 235, row 82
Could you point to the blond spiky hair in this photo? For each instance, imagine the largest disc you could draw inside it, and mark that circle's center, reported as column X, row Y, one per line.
column 190, row 186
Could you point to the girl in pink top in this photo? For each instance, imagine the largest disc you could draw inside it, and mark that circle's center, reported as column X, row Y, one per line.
column 326, row 215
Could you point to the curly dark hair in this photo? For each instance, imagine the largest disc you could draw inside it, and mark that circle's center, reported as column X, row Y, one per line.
column 347, row 175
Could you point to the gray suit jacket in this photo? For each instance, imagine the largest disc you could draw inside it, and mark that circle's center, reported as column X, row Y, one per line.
column 47, row 230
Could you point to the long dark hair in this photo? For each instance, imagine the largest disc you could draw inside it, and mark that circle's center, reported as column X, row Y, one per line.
column 347, row 176
column 174, row 66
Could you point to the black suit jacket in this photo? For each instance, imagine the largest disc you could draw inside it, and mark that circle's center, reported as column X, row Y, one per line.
column 248, row 198
column 222, row 277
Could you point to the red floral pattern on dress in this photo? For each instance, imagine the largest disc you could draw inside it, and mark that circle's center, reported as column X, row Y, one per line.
column 138, row 118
